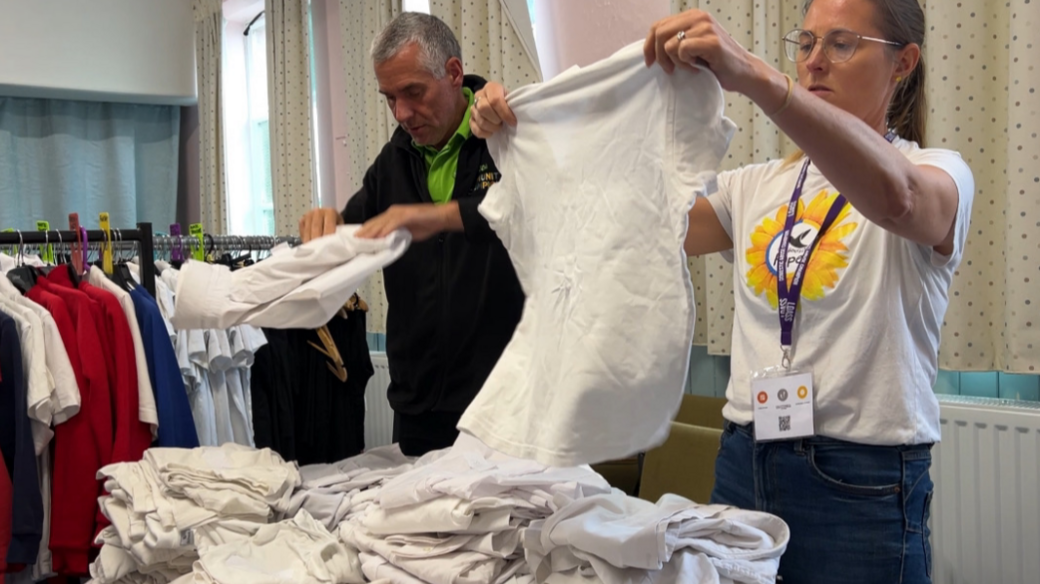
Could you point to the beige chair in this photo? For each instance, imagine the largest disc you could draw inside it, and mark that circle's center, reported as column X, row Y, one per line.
column 695, row 410
column 684, row 464
column 699, row 410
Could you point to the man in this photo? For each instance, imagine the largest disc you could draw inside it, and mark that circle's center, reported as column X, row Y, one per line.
column 453, row 298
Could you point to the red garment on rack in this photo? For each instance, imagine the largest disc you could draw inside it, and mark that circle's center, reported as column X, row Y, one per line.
column 83, row 444
column 132, row 436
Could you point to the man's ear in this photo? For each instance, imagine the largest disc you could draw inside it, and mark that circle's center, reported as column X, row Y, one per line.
column 453, row 70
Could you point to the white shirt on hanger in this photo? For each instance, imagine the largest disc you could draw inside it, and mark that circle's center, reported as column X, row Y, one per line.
column 39, row 384
column 147, row 411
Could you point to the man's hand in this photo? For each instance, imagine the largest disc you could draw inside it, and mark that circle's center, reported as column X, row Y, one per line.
column 490, row 111
column 423, row 220
column 319, row 222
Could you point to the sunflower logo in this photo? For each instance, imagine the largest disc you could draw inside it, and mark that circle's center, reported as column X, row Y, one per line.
column 830, row 255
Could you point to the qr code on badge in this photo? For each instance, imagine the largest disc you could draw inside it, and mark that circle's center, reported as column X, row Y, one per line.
column 785, row 423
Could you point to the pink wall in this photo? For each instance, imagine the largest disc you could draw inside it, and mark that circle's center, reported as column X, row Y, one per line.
column 579, row 32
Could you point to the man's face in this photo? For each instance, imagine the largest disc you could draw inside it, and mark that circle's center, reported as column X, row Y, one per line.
column 424, row 105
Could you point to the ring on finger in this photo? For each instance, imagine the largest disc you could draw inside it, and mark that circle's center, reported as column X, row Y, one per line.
column 681, row 35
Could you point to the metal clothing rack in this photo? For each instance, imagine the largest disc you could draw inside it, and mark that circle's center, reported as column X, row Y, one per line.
column 142, row 236
column 167, row 244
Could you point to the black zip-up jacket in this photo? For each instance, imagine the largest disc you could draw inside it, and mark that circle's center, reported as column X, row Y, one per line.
column 454, row 299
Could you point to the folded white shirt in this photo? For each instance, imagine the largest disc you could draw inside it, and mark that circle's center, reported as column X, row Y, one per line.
column 615, row 533
column 471, row 475
column 444, row 562
column 300, row 287
column 229, row 479
column 300, row 550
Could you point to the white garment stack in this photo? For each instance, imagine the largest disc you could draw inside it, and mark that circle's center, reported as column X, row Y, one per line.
column 464, row 515
column 333, row 493
column 458, row 515
column 176, row 503
column 300, row 287
column 597, row 179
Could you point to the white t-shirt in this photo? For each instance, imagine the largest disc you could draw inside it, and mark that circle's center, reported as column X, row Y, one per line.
column 871, row 309
column 597, row 180
column 300, row 287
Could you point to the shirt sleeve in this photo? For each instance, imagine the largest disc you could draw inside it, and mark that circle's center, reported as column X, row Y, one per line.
column 722, row 202
column 952, row 164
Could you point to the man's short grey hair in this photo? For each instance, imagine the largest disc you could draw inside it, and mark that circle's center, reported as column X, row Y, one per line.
column 436, row 42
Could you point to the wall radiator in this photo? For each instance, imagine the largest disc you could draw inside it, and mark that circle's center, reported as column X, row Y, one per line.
column 986, row 506
column 379, row 418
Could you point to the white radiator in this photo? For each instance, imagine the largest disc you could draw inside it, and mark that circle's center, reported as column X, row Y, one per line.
column 379, row 418
column 986, row 506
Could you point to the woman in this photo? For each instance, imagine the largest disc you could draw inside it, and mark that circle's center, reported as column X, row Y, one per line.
column 855, row 488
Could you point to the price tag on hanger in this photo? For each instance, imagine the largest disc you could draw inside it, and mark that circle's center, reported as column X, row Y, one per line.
column 47, row 255
column 195, row 230
column 106, row 246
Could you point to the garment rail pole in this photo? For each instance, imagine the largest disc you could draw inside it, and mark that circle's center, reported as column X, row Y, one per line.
column 142, row 235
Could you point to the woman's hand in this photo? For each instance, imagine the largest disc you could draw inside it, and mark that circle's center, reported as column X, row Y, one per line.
column 490, row 111
column 696, row 38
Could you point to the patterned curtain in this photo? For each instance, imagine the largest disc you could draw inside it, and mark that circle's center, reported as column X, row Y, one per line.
column 496, row 38
column 982, row 89
column 208, row 57
column 370, row 122
column 754, row 24
column 289, row 99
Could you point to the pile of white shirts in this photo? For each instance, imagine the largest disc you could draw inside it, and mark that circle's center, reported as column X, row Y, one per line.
column 176, row 502
column 333, row 493
column 617, row 539
column 458, row 516
column 215, row 364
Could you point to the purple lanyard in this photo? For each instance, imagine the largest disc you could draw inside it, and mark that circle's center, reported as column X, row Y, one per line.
column 788, row 297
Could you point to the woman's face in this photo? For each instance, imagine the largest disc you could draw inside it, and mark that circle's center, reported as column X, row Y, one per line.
column 862, row 85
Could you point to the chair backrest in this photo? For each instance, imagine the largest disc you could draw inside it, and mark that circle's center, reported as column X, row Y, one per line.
column 684, row 464
column 699, row 410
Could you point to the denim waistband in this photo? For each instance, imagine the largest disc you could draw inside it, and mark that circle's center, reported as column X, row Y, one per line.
column 749, row 431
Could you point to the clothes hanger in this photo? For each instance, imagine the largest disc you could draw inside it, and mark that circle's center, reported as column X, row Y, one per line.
column 23, row 277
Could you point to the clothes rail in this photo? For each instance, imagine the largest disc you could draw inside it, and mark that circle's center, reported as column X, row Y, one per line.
column 212, row 243
column 142, row 236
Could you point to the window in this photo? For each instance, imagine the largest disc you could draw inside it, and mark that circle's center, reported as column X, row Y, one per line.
column 247, row 129
column 416, row 6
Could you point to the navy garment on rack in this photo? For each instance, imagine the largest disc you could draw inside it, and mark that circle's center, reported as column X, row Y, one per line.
column 301, row 409
column 19, row 453
column 176, row 425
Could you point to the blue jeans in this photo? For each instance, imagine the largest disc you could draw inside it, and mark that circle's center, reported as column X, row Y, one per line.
column 857, row 513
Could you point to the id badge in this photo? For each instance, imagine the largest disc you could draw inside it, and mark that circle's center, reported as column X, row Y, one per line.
column 782, row 401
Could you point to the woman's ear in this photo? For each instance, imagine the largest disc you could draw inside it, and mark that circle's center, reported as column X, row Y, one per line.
column 907, row 60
